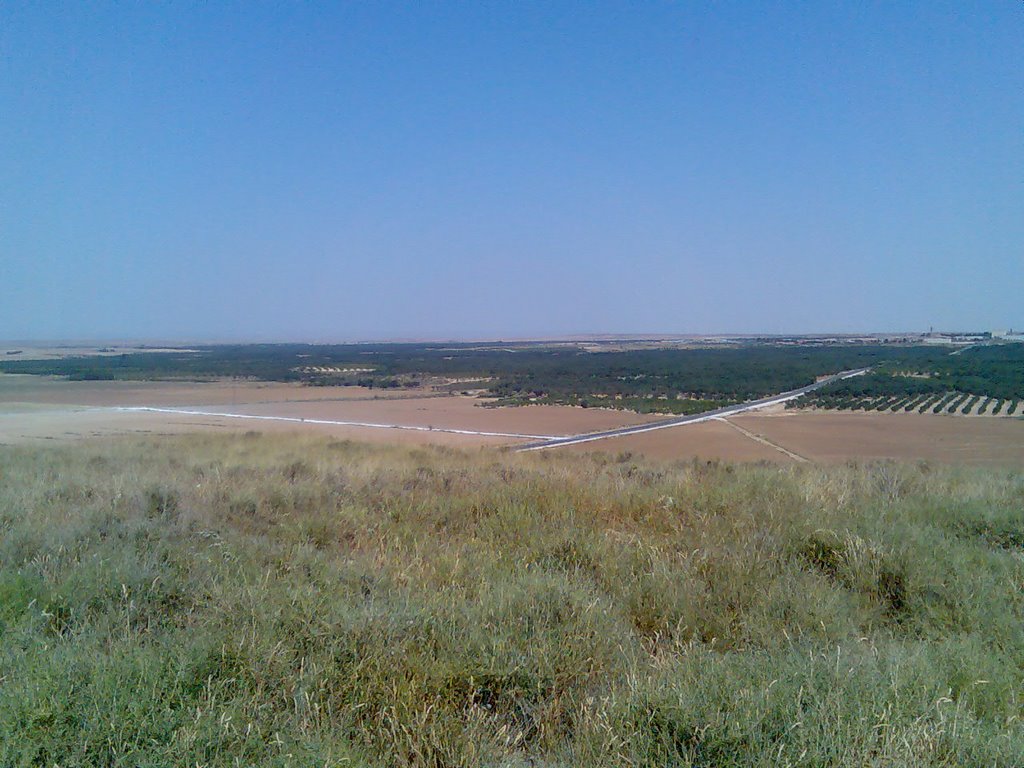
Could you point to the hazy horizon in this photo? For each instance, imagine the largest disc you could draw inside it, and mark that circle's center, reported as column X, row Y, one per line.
column 156, row 342
column 500, row 172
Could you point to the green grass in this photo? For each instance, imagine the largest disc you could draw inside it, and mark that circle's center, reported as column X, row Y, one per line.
column 290, row 601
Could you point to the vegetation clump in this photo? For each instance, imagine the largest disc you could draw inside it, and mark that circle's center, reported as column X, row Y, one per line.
column 922, row 379
column 248, row 600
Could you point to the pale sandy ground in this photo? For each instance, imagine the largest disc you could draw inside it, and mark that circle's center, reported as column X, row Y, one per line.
column 55, row 390
column 455, row 412
column 704, row 440
column 831, row 437
column 48, row 425
column 39, row 409
column 42, row 408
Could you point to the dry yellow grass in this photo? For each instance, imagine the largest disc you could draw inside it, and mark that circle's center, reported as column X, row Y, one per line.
column 292, row 600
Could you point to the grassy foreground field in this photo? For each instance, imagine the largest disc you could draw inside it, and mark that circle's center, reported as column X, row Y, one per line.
column 248, row 600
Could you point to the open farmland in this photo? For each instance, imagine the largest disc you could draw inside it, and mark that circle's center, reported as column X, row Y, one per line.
column 830, row 437
column 839, row 437
column 511, row 385
column 907, row 407
column 42, row 408
column 975, row 381
column 56, row 390
column 670, row 380
column 708, row 441
column 34, row 410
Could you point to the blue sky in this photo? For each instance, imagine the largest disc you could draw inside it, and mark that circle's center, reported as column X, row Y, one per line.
column 426, row 170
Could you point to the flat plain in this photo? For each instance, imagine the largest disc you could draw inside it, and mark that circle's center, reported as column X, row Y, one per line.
column 41, row 408
column 34, row 408
column 838, row 437
column 832, row 438
column 268, row 587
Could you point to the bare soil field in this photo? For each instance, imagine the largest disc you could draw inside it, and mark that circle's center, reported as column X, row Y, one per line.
column 17, row 388
column 41, row 408
column 705, row 440
column 41, row 424
column 37, row 408
column 831, row 437
column 455, row 412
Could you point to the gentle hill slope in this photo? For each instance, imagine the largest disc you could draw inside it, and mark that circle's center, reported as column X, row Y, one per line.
column 293, row 601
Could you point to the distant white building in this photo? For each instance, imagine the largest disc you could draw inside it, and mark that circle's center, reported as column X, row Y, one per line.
column 955, row 338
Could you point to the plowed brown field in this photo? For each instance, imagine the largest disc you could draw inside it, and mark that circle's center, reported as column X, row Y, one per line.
column 829, row 437
column 35, row 408
column 40, row 408
column 837, row 437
